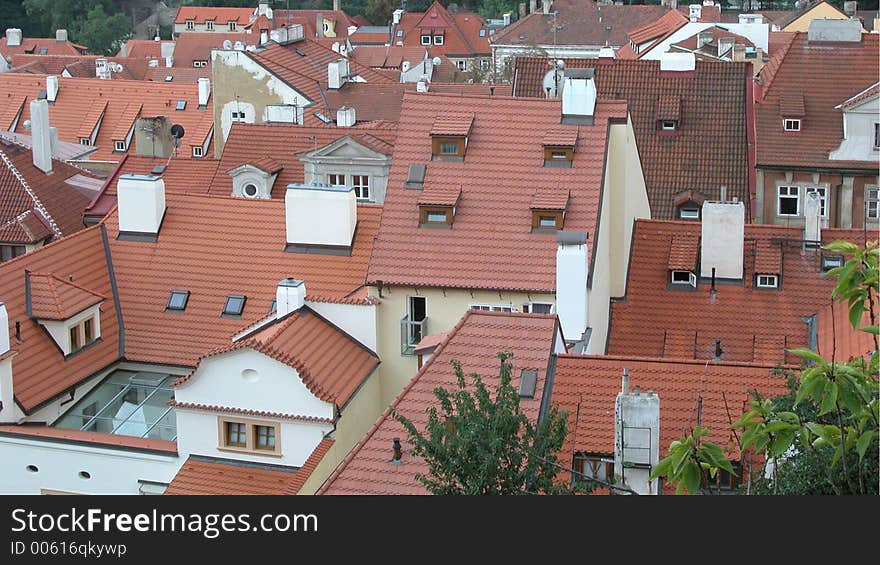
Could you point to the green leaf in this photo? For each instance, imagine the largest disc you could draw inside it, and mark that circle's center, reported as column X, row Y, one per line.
column 855, row 313
column 808, row 354
column 875, row 329
column 691, row 477
column 864, row 443
column 781, row 443
column 829, row 400
column 841, row 246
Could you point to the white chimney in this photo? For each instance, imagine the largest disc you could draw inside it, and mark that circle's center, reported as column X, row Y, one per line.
column 13, row 37
column 337, row 74
column 695, row 12
column 4, row 329
column 579, row 97
column 677, row 62
column 53, row 142
column 262, row 8
column 61, row 35
column 533, row 6
column 204, row 91
column 506, row 18
column 545, row 6
column 812, row 218
column 166, row 49
column 102, row 69
column 636, row 439
column 404, row 66
column 319, row 24
column 41, row 137
column 345, row 117
column 320, row 215
column 169, row 62
column 395, row 16
column 352, row 29
column 572, row 268
column 51, row 88
column 290, row 296
column 721, row 241
column 141, row 201
column 422, row 85
column 7, row 400
column 606, row 53
column 264, row 37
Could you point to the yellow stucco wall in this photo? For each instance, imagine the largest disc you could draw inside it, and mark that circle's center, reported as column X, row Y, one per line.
column 823, row 11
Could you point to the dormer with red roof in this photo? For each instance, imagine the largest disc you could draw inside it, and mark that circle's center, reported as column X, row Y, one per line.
column 461, row 36
column 70, row 313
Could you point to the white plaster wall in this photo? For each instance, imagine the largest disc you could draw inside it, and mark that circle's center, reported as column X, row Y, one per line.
column 198, row 431
column 859, row 130
column 378, row 173
column 721, row 240
column 759, row 34
column 218, row 381
column 113, row 471
column 258, row 178
column 356, row 320
column 60, row 329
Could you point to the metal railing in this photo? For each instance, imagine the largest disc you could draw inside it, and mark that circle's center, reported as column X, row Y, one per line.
column 411, row 333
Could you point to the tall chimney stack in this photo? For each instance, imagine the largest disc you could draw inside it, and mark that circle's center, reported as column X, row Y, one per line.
column 721, row 239
column 336, row 5
column 545, row 6
column 637, row 440
column 51, row 88
column 41, row 136
column 812, row 218
column 533, row 6
column 204, row 91
column 141, row 202
column 572, row 269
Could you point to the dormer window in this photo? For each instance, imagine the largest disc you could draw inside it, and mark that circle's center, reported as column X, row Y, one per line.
column 438, row 40
column 177, row 301
column 683, row 278
column 449, row 137
column 668, row 114
column 683, row 251
column 559, row 145
column 190, row 25
column 689, row 213
column 69, row 313
column 198, row 151
column 548, row 210
column 82, row 334
column 232, row 25
column 767, row 281
column 119, row 145
column 791, row 125
column 234, row 306
column 437, row 207
column 426, row 40
column 209, row 25
column 669, row 125
column 85, row 141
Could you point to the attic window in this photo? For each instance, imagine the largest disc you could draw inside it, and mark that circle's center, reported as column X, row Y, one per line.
column 232, row 25
column 177, row 301
column 559, row 145
column 831, row 262
column 200, row 64
column 190, row 25
column 234, row 305
column 44, row 50
column 426, row 40
column 528, row 381
column 436, row 216
column 547, row 220
column 668, row 125
column 181, row 105
column 689, row 213
column 198, row 151
column 85, row 141
column 682, row 278
column 768, row 281
column 119, row 145
column 791, row 125
column 438, row 40
column 209, row 25
column 449, row 137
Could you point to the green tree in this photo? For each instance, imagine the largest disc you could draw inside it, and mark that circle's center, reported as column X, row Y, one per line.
column 379, row 11
column 102, row 34
column 477, row 444
column 830, row 428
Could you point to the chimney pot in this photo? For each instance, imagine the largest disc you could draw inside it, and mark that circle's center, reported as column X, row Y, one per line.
column 624, row 386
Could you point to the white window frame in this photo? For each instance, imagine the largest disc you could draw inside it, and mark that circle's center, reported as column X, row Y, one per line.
column 233, row 25
column 822, row 191
column 689, row 213
column 492, row 307
column 190, row 25
column 238, row 116
column 876, row 136
column 872, row 195
column 796, row 196
column 200, row 64
column 198, row 151
column 767, row 281
column 426, row 39
column 692, row 278
column 85, row 141
column 209, row 25
column 484, row 64
column 360, row 183
column 438, row 40
column 336, row 179
column 461, row 65
column 119, row 145
column 529, row 307
column 255, row 194
column 791, row 124
column 668, row 125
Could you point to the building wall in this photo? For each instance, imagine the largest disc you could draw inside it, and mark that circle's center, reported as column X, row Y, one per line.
column 758, row 34
column 317, row 171
column 219, row 27
column 241, row 84
column 822, row 11
column 112, row 470
column 358, row 321
column 859, row 130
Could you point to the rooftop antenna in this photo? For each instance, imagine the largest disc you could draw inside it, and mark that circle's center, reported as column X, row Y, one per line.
column 713, row 294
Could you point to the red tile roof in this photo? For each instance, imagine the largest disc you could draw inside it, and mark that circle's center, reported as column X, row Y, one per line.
column 80, row 99
column 388, row 57
column 718, row 32
column 298, row 480
column 580, row 22
column 435, row 195
column 142, row 49
column 196, row 46
column 836, row 337
column 309, row 18
column 197, row 233
column 221, row 15
column 586, row 388
column 37, row 44
column 710, row 147
column 34, row 205
column 78, row 65
column 98, row 439
column 475, row 342
column 768, row 258
column 829, row 81
column 53, row 298
column 178, row 75
column 282, row 143
column 754, row 325
column 492, row 229
column 683, row 251
column 872, row 90
column 662, row 27
column 330, row 363
column 205, row 476
column 41, row 372
column 453, row 124
column 550, row 199
column 707, row 13
column 561, row 137
column 460, row 31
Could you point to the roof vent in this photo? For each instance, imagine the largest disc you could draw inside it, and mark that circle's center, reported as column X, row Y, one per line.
column 528, row 382
column 396, row 452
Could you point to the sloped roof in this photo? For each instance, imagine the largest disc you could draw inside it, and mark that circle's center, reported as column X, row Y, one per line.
column 80, row 99
column 41, row 372
column 718, row 32
column 180, row 75
column 580, row 22
column 298, row 480
column 331, row 364
column 211, row 476
column 829, row 81
column 209, row 246
column 461, row 31
column 53, row 298
column 858, row 98
column 754, row 325
column 78, row 65
column 710, row 147
column 836, row 337
column 474, row 342
column 36, row 45
column 387, row 57
column 196, row 46
column 493, row 219
column 65, row 435
column 143, row 49
column 662, row 27
column 309, row 18
column 221, row 15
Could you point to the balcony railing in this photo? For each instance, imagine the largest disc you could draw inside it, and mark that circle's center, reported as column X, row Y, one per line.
column 411, row 333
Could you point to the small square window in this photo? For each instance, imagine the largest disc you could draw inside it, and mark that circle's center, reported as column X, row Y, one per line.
column 768, row 281
column 44, row 51
column 791, row 125
column 190, row 25
column 234, row 305
column 361, row 185
column 209, row 25
column 547, row 221
column 336, row 179
column 400, row 33
column 668, row 125
column 120, row 145
column 871, row 211
column 538, row 308
column 233, row 26
column 85, row 141
column 482, row 33
column 181, row 105
column 689, row 213
column 684, row 278
column 438, row 40
column 436, row 217
column 177, row 300
column 788, row 201
column 265, row 437
column 236, row 434
column 449, row 148
column 426, row 40
column 462, row 65
column 198, row 151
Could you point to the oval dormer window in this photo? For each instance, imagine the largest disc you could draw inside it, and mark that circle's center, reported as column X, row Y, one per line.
column 251, row 191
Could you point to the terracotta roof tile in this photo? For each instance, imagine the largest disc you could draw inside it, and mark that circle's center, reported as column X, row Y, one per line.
column 243, row 411
column 561, row 137
column 661, row 27
column 494, row 218
column 78, row 65
column 221, row 15
column 668, row 107
column 53, row 298
column 387, row 56
column 41, row 372
column 204, row 476
column 460, row 31
column 829, row 81
column 308, row 19
column 836, row 337
column 440, row 195
column 711, row 48
column 475, row 342
column 10, row 109
column 196, row 46
column 768, row 258
column 91, row 118
column 710, row 147
column 550, row 199
column 126, row 121
column 452, row 124
column 683, row 252
column 178, row 75
column 142, row 49
column 754, row 325
column 872, row 90
column 268, row 165
column 298, row 480
column 36, row 45
column 95, row 438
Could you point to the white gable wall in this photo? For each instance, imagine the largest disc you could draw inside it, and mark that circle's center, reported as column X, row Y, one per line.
column 759, row 34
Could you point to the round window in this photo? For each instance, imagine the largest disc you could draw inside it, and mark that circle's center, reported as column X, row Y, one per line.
column 250, row 190
column 32, row 468
column 85, row 475
column 250, row 376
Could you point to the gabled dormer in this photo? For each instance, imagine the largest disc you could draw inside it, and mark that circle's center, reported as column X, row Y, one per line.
column 668, row 116
column 438, row 205
column 548, row 210
column 449, row 136
column 861, row 127
column 559, row 146
column 361, row 162
column 682, row 264
column 70, row 313
column 255, row 179
column 768, row 265
column 791, row 108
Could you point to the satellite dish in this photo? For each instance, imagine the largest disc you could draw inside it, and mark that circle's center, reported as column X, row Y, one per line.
column 239, row 45
column 177, row 131
column 27, row 125
column 436, row 61
column 118, row 68
column 560, row 64
column 227, row 44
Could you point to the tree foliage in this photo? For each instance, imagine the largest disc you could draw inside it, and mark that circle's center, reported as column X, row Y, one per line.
column 479, row 443
column 830, row 427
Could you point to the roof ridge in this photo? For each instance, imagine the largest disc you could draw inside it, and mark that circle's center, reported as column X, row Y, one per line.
column 37, row 203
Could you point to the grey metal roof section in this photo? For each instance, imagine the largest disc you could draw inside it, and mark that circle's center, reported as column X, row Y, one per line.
column 835, row 30
column 66, row 151
column 527, row 383
column 319, row 186
column 571, row 237
column 580, row 73
column 416, row 177
column 131, row 176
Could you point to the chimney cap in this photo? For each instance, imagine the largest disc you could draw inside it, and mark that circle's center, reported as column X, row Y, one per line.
column 587, row 73
column 565, row 237
column 319, row 186
column 291, row 283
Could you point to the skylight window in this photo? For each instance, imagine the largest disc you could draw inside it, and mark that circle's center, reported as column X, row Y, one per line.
column 299, row 52
column 234, row 305
column 177, row 301
column 181, row 105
